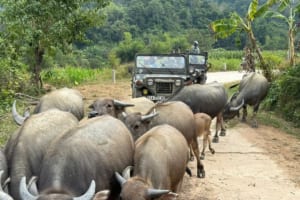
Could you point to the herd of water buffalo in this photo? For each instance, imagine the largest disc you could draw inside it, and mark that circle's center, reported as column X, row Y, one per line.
column 131, row 150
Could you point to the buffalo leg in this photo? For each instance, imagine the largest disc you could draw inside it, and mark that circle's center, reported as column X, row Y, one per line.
column 254, row 121
column 216, row 136
column 244, row 113
column 200, row 167
column 222, row 124
column 206, row 139
column 191, row 154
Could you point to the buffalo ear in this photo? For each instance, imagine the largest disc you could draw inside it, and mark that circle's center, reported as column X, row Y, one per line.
column 102, row 195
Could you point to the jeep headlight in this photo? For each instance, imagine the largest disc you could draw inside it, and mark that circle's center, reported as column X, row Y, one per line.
column 178, row 82
column 145, row 91
column 191, row 69
column 150, row 81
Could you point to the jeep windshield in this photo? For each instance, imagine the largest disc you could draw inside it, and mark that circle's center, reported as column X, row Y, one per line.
column 154, row 62
column 196, row 59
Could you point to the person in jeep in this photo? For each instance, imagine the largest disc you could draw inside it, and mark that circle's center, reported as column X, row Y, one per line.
column 195, row 47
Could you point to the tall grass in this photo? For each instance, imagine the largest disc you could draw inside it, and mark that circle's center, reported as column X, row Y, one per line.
column 71, row 76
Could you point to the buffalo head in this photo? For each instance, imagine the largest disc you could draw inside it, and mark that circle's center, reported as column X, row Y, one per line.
column 107, row 106
column 232, row 108
column 136, row 188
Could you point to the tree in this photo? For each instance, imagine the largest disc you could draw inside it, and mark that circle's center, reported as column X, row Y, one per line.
column 227, row 26
column 35, row 27
column 290, row 20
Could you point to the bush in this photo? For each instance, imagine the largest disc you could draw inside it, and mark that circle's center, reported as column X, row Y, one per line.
column 284, row 95
column 13, row 79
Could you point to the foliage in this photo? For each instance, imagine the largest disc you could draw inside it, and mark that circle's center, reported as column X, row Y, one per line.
column 13, row 79
column 69, row 76
column 284, row 95
column 35, row 26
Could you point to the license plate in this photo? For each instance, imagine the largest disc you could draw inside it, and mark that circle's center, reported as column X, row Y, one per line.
column 156, row 98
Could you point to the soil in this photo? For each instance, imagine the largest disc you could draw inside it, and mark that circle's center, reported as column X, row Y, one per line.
column 249, row 163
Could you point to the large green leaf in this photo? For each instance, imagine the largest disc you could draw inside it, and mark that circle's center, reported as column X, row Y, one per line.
column 252, row 10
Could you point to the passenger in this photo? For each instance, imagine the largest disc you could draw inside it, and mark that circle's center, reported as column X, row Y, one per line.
column 195, row 47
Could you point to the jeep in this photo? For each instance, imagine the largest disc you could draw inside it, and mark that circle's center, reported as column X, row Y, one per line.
column 197, row 67
column 158, row 76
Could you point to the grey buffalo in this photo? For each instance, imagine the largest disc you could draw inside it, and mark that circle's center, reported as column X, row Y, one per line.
column 209, row 98
column 253, row 88
column 26, row 147
column 85, row 157
column 160, row 160
column 64, row 99
column 176, row 114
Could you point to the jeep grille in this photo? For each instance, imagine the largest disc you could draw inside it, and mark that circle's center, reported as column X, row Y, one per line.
column 164, row 88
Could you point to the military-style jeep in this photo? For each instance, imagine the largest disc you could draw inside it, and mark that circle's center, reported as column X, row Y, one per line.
column 197, row 67
column 158, row 76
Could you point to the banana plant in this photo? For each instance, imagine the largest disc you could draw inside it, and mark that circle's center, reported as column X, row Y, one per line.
column 290, row 21
column 235, row 23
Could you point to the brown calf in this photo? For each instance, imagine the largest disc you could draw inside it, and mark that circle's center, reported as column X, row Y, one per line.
column 203, row 123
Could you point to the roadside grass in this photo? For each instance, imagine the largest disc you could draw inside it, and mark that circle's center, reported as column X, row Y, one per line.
column 7, row 127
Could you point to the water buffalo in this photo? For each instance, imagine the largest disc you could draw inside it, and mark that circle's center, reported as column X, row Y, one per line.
column 203, row 123
column 253, row 88
column 115, row 107
column 160, row 159
column 94, row 150
column 64, row 99
column 209, row 98
column 26, row 146
column 176, row 114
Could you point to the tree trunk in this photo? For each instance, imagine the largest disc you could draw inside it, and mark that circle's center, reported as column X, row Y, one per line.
column 263, row 65
column 37, row 68
column 291, row 48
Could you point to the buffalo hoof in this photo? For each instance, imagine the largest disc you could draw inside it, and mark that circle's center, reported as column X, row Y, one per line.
column 254, row 125
column 201, row 174
column 212, row 151
column 188, row 171
column 223, row 133
column 215, row 140
column 191, row 158
column 202, row 156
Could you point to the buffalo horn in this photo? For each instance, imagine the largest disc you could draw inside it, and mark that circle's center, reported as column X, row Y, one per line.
column 233, row 96
column 24, row 193
column 151, row 115
column 123, row 104
column 32, row 188
column 237, row 107
column 89, row 193
column 1, row 172
column 126, row 172
column 5, row 196
column 120, row 178
column 155, row 193
column 17, row 117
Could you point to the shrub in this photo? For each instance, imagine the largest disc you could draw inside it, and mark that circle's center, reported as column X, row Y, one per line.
column 13, row 79
column 284, row 95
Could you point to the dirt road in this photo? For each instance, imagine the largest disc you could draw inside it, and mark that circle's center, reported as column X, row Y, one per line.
column 249, row 164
